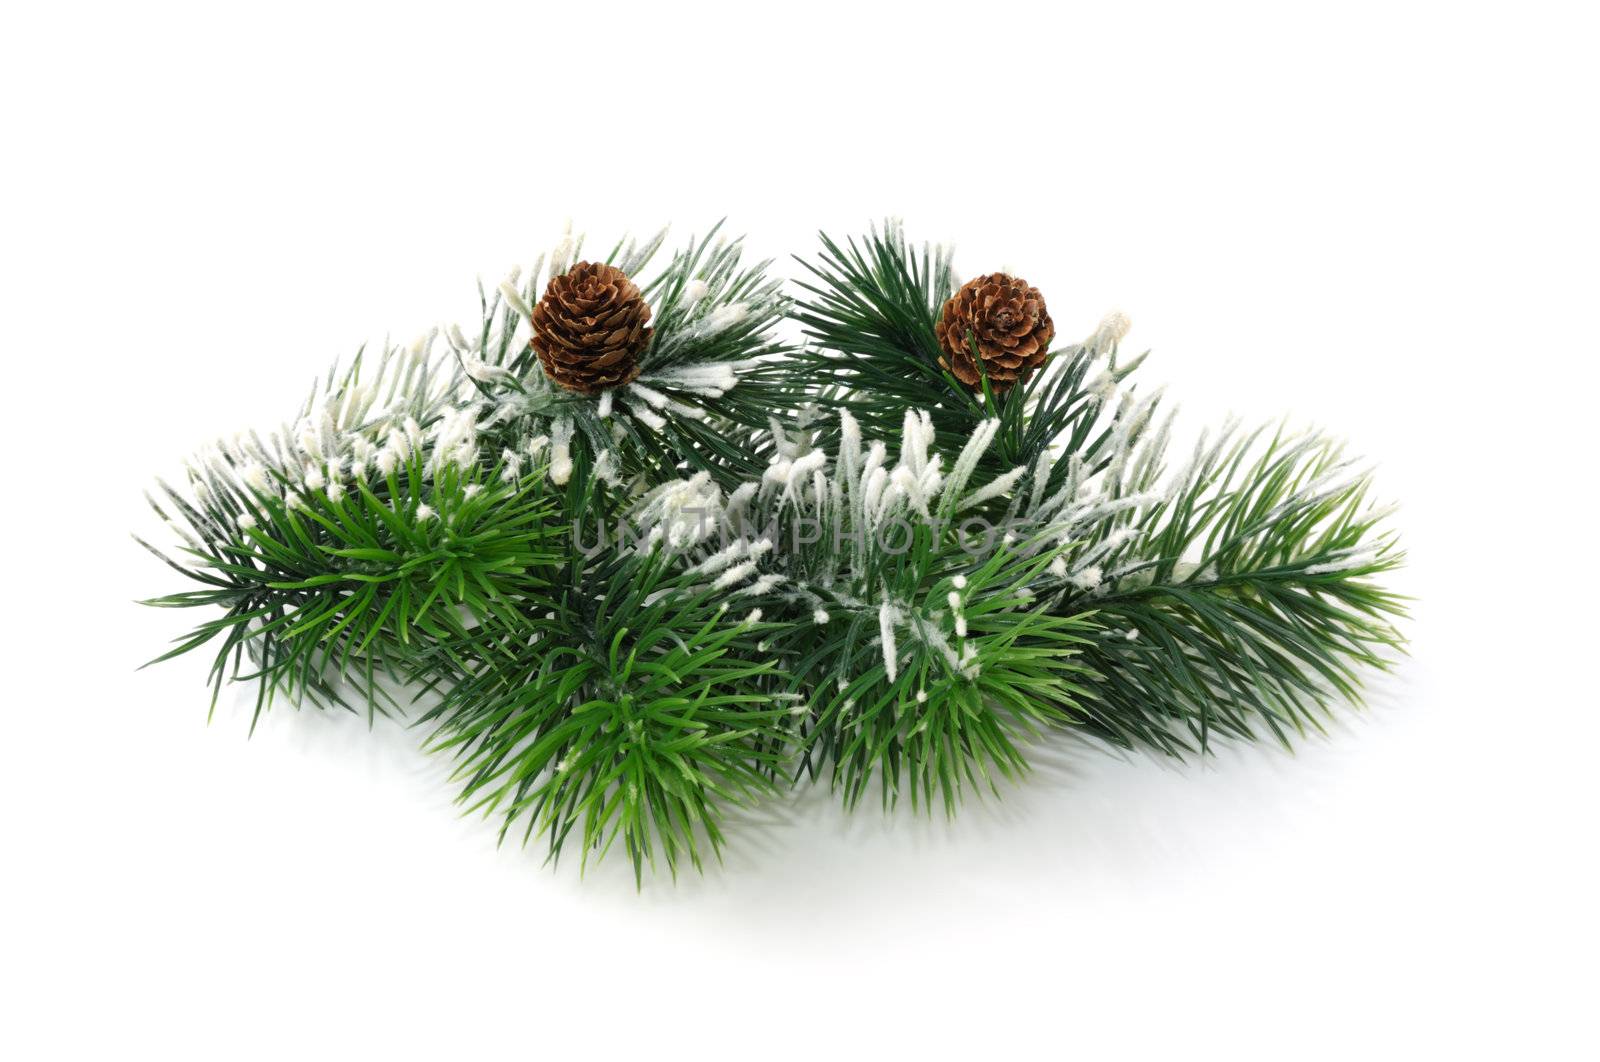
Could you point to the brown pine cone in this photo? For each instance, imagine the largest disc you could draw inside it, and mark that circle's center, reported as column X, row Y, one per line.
column 1010, row 322
column 590, row 328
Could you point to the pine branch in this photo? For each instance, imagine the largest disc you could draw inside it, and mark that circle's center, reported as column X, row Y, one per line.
column 919, row 664
column 337, row 561
column 361, row 586
column 712, row 373
column 634, row 710
column 1247, row 603
column 870, row 312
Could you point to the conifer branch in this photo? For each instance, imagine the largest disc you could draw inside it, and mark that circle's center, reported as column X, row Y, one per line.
column 838, row 561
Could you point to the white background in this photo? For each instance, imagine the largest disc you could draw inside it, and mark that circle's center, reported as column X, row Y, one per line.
column 1379, row 218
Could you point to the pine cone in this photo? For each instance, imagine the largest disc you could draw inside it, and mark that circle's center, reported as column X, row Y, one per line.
column 590, row 328
column 1012, row 327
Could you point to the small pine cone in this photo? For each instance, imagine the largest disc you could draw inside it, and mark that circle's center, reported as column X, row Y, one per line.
column 1009, row 321
column 590, row 328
